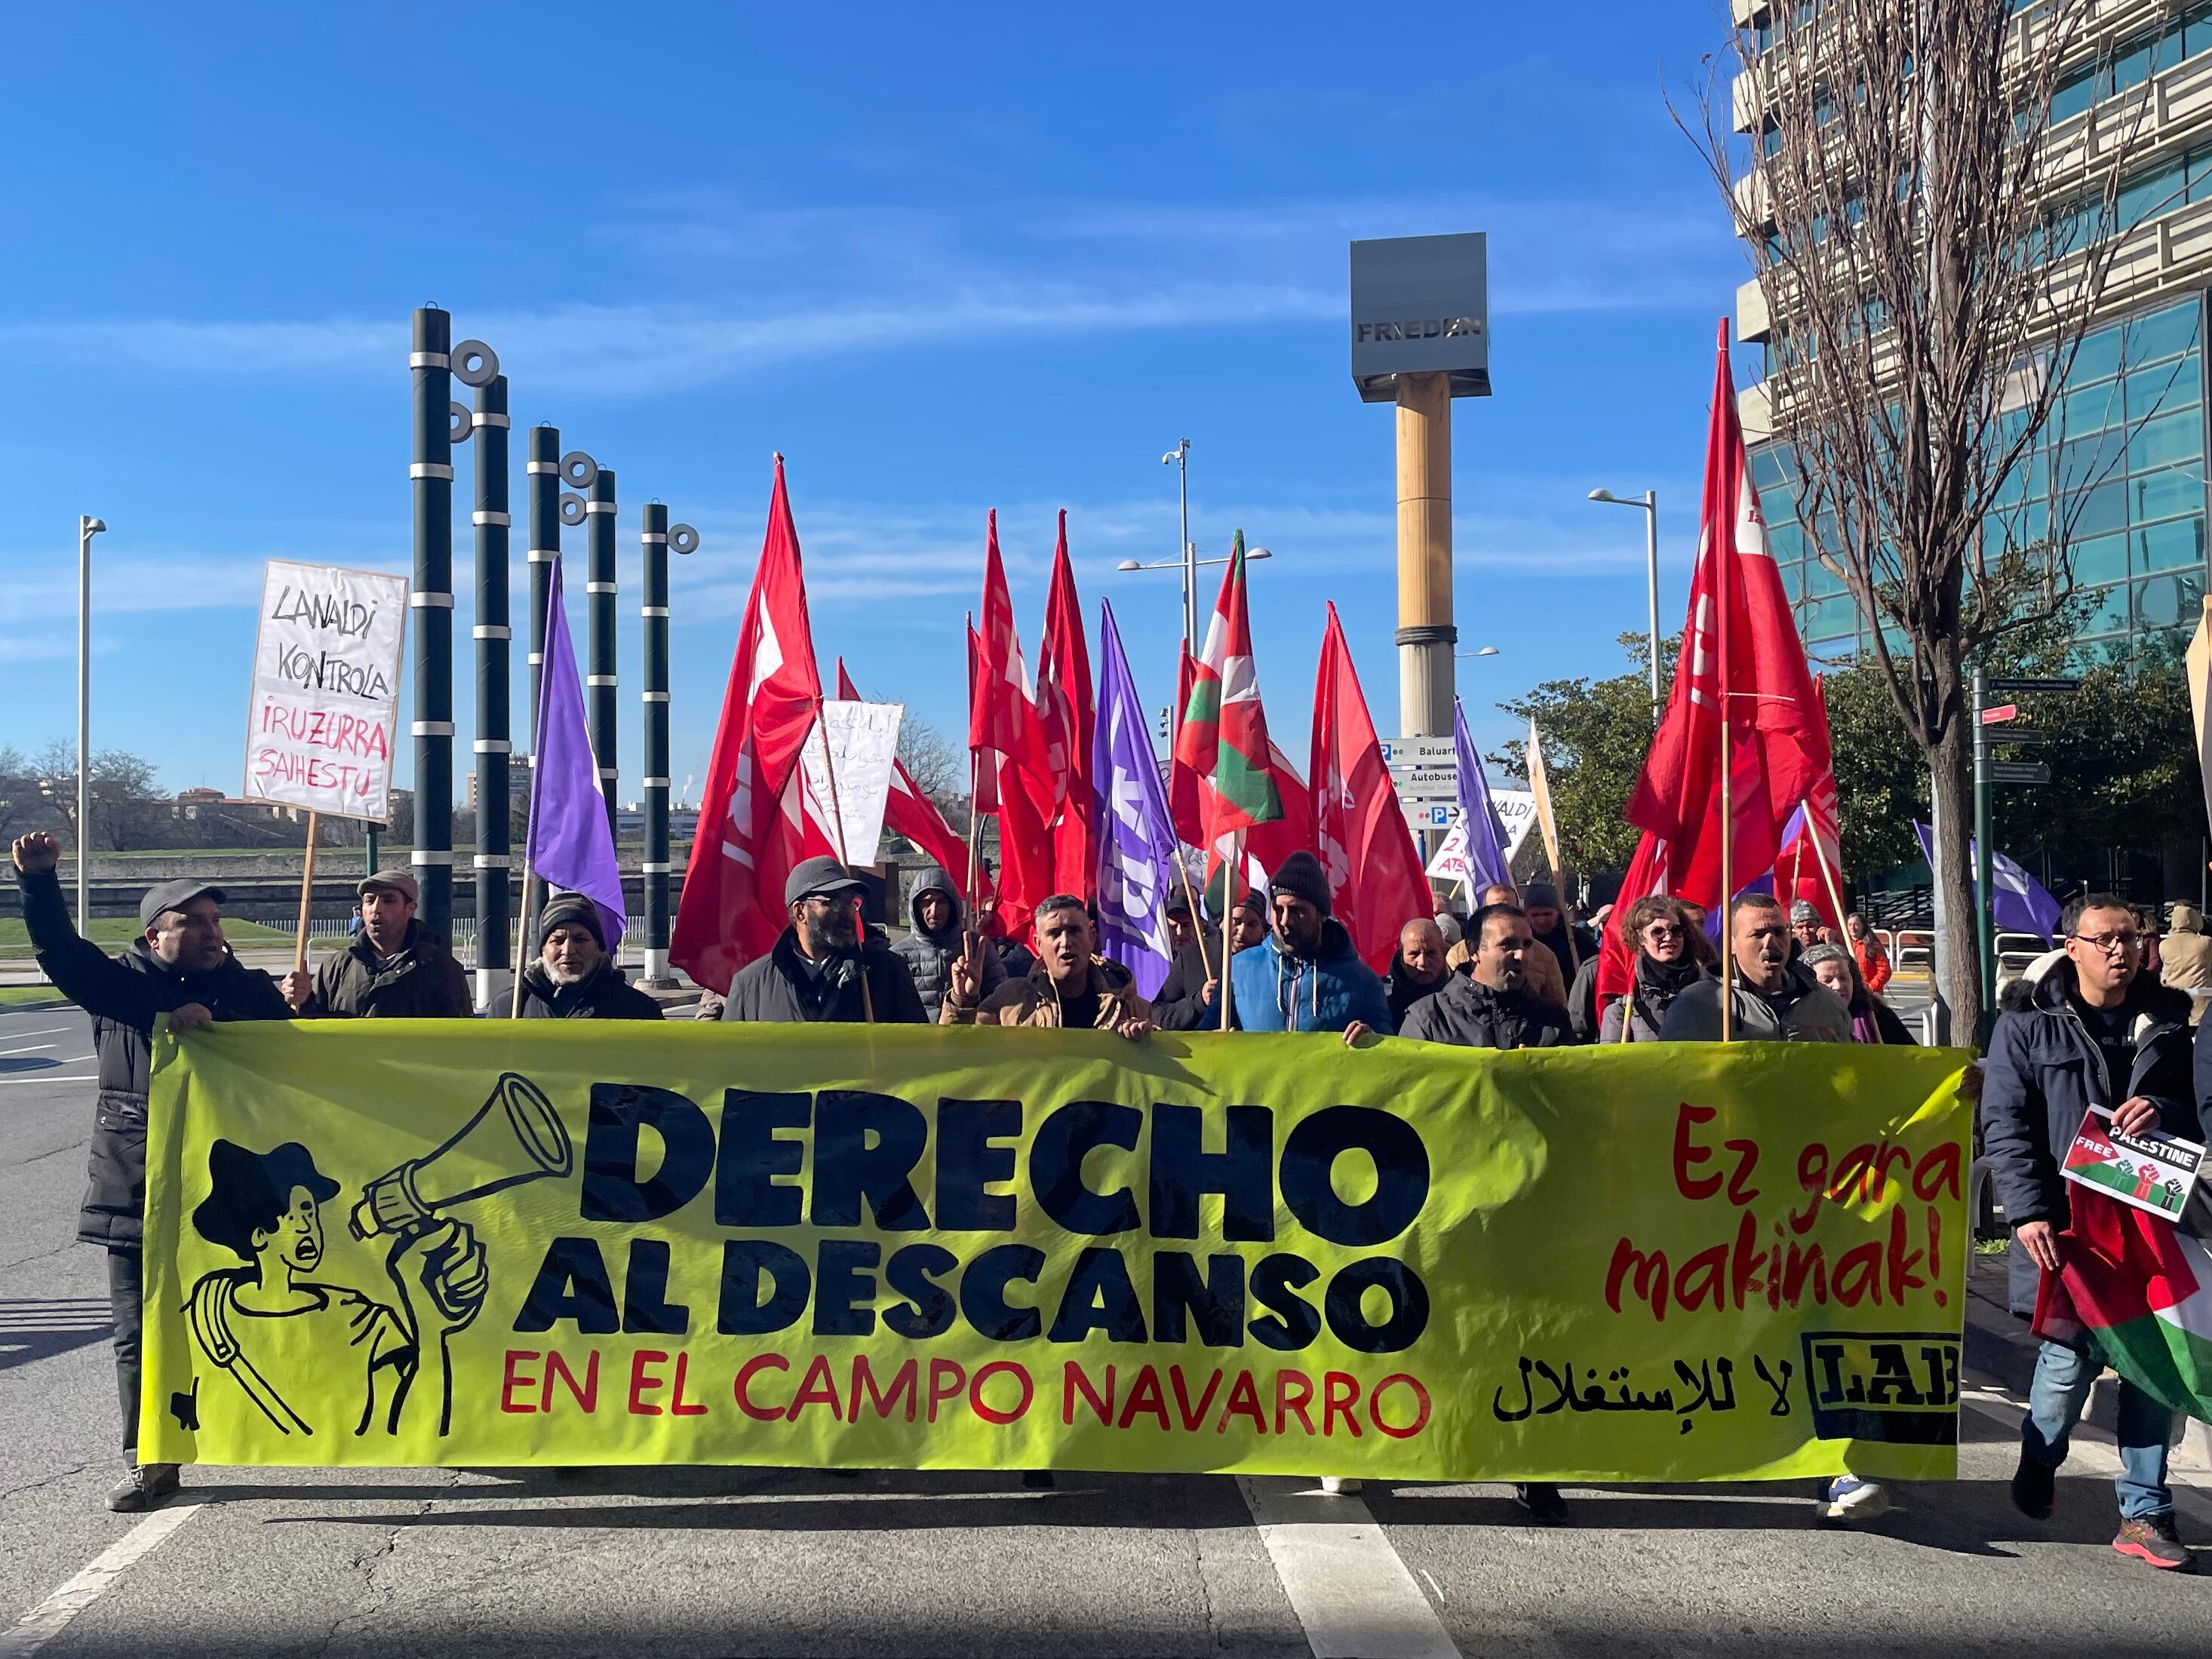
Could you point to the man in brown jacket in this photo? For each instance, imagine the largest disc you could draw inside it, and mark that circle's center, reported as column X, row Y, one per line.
column 2186, row 959
column 1068, row 986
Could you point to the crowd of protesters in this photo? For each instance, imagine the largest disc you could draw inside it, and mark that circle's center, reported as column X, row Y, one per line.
column 2104, row 1021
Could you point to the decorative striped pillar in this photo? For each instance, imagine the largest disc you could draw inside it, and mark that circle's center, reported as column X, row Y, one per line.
column 494, row 938
column 600, row 669
column 657, row 540
column 431, row 474
column 543, row 471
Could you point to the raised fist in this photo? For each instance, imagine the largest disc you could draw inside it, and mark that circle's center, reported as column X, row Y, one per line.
column 37, row 853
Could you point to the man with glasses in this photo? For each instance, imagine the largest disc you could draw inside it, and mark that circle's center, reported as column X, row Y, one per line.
column 826, row 968
column 2099, row 1032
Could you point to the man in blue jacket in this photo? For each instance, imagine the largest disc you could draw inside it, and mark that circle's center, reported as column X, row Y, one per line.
column 2098, row 1032
column 1304, row 975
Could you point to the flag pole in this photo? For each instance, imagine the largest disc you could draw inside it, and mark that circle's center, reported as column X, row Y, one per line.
column 521, row 936
column 306, row 893
column 1233, row 869
column 1827, row 876
column 1724, row 572
column 1198, row 917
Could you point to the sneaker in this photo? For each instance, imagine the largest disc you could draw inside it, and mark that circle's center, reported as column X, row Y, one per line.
column 1037, row 1480
column 143, row 1488
column 1542, row 1501
column 2032, row 1488
column 1849, row 1498
column 2152, row 1540
column 1341, row 1486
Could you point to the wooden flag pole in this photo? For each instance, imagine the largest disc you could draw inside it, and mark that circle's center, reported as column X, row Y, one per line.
column 521, row 937
column 1827, row 876
column 306, row 895
column 1728, row 833
column 1198, row 918
column 1232, row 871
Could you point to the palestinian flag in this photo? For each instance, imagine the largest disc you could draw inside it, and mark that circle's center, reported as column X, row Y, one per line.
column 1223, row 738
column 2135, row 1292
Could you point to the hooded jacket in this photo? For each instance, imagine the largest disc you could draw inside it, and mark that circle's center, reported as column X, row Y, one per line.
column 1032, row 1000
column 2186, row 957
column 603, row 993
column 1467, row 1012
column 928, row 957
column 123, row 993
column 1274, row 991
column 422, row 981
column 780, row 989
column 1817, row 1016
column 2043, row 1073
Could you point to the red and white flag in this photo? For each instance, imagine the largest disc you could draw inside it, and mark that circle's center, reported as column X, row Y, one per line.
column 1007, row 739
column 1065, row 714
column 1739, row 614
column 751, row 830
column 1360, row 831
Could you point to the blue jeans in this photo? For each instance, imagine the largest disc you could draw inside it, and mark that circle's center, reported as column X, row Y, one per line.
column 2055, row 1400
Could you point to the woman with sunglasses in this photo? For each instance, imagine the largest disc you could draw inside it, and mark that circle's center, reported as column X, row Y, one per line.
column 1657, row 930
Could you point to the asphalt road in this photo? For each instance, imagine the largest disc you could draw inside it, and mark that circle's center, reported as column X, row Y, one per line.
column 712, row 1561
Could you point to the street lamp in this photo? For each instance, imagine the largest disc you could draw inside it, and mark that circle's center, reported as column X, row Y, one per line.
column 87, row 528
column 1487, row 651
column 1179, row 458
column 1650, row 506
column 1189, row 564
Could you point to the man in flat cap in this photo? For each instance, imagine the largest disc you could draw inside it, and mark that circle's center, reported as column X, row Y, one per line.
column 179, row 966
column 573, row 976
column 395, row 969
column 824, row 969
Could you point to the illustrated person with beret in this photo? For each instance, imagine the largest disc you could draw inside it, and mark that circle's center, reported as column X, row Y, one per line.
column 179, row 966
column 573, row 976
column 395, row 969
column 824, row 969
column 1304, row 975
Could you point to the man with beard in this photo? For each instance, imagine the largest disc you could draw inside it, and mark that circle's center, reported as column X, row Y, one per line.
column 574, row 977
column 821, row 969
column 179, row 966
column 1491, row 1006
column 937, row 939
column 1417, row 971
column 1305, row 976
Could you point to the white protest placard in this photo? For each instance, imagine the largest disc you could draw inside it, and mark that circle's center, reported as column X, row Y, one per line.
column 324, row 716
column 1517, row 816
column 859, row 742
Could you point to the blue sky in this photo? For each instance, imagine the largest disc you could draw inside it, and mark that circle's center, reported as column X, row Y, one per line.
column 942, row 267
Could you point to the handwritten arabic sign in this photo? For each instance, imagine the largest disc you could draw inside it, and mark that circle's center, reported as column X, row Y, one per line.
column 325, row 708
column 903, row 1248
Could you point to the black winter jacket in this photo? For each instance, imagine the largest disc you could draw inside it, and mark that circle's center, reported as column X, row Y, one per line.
column 2045, row 1071
column 1405, row 990
column 603, row 993
column 1181, row 1005
column 1467, row 1012
column 778, row 987
column 422, row 983
column 123, row 993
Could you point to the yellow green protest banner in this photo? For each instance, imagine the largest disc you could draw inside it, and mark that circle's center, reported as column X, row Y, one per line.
column 447, row 1242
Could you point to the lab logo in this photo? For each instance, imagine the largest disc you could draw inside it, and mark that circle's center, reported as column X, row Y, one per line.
column 1899, row 1386
column 299, row 1340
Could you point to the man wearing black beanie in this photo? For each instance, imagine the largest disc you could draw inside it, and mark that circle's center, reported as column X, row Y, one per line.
column 1304, row 975
column 574, row 977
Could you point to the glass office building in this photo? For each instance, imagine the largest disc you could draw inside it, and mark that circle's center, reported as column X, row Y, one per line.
column 2125, row 453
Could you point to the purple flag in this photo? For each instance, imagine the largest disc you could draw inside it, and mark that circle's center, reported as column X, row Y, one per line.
column 1130, row 825
column 572, row 846
column 2022, row 905
column 1485, row 836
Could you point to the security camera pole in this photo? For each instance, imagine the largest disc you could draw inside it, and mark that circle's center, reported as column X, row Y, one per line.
column 1420, row 338
column 87, row 528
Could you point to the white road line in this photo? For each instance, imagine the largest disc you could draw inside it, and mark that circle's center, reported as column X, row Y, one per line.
column 29, row 1048
column 51, row 1616
column 44, row 1030
column 1349, row 1588
column 48, row 1077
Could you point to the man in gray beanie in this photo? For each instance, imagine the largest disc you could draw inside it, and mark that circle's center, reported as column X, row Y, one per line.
column 574, row 977
column 1806, row 928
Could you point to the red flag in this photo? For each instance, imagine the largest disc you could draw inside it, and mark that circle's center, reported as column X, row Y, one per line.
column 909, row 813
column 982, row 763
column 1779, row 741
column 750, row 830
column 1184, row 801
column 1375, row 879
column 1002, row 702
column 1616, row 960
column 1810, row 864
column 1066, row 714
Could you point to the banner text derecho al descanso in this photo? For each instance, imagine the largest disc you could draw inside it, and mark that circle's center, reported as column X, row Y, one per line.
column 431, row 1243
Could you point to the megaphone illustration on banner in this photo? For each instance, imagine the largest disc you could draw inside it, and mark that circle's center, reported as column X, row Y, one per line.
column 523, row 1139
